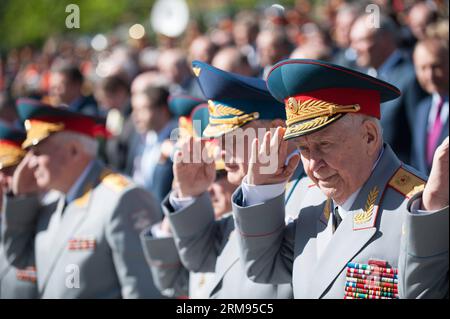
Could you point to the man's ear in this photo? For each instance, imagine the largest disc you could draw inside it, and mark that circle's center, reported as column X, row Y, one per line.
column 372, row 136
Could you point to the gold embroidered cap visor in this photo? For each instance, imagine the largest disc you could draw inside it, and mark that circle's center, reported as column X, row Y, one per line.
column 225, row 119
column 10, row 155
column 38, row 131
column 317, row 94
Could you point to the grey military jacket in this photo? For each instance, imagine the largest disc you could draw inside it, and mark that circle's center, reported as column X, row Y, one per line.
column 169, row 274
column 276, row 253
column 207, row 245
column 17, row 283
column 89, row 248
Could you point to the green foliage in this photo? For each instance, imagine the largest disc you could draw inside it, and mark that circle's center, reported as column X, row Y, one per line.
column 30, row 22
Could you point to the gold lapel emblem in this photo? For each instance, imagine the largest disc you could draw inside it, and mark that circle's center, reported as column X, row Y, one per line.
column 364, row 216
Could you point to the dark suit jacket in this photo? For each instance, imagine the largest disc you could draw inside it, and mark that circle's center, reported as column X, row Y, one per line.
column 394, row 114
column 419, row 145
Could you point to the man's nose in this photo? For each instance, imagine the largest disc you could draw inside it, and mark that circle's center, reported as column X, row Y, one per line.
column 315, row 163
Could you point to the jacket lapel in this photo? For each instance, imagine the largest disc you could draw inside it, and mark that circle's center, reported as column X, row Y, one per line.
column 71, row 218
column 227, row 259
column 306, row 246
column 421, row 141
column 444, row 132
column 357, row 228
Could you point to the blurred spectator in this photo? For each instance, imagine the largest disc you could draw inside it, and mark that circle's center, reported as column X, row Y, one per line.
column 420, row 16
column 148, row 79
column 245, row 32
column 438, row 30
column 202, row 49
column 346, row 15
column 315, row 44
column 113, row 94
column 272, row 47
column 230, row 59
column 377, row 50
column 154, row 124
column 8, row 114
column 173, row 65
column 430, row 116
column 66, row 84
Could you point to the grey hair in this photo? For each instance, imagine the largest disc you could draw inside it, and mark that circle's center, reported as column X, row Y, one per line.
column 351, row 119
column 89, row 144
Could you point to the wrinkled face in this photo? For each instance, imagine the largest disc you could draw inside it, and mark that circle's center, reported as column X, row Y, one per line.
column 220, row 192
column 431, row 70
column 48, row 161
column 144, row 115
column 336, row 159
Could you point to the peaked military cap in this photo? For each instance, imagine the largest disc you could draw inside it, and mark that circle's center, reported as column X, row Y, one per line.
column 233, row 99
column 42, row 120
column 11, row 152
column 200, row 121
column 183, row 104
column 317, row 93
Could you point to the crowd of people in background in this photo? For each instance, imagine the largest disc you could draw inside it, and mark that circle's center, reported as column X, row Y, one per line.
column 129, row 82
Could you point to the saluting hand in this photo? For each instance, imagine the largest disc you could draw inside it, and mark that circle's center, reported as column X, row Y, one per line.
column 262, row 170
column 23, row 181
column 435, row 195
column 193, row 168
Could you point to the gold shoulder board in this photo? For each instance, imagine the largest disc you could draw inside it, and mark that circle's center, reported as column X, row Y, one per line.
column 114, row 181
column 406, row 183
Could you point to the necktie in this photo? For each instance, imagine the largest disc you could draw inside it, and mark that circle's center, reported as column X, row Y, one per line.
column 434, row 133
column 336, row 218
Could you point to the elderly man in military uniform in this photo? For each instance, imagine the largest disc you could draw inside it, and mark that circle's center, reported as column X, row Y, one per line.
column 86, row 242
column 204, row 244
column 365, row 219
column 14, row 283
column 158, row 242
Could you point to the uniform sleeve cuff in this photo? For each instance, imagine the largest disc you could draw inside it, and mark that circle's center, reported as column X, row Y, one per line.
column 157, row 232
column 258, row 194
column 180, row 202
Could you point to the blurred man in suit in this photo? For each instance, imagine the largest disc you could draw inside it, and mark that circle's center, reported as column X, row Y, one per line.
column 66, row 87
column 86, row 242
column 377, row 50
column 430, row 116
column 154, row 124
column 113, row 94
